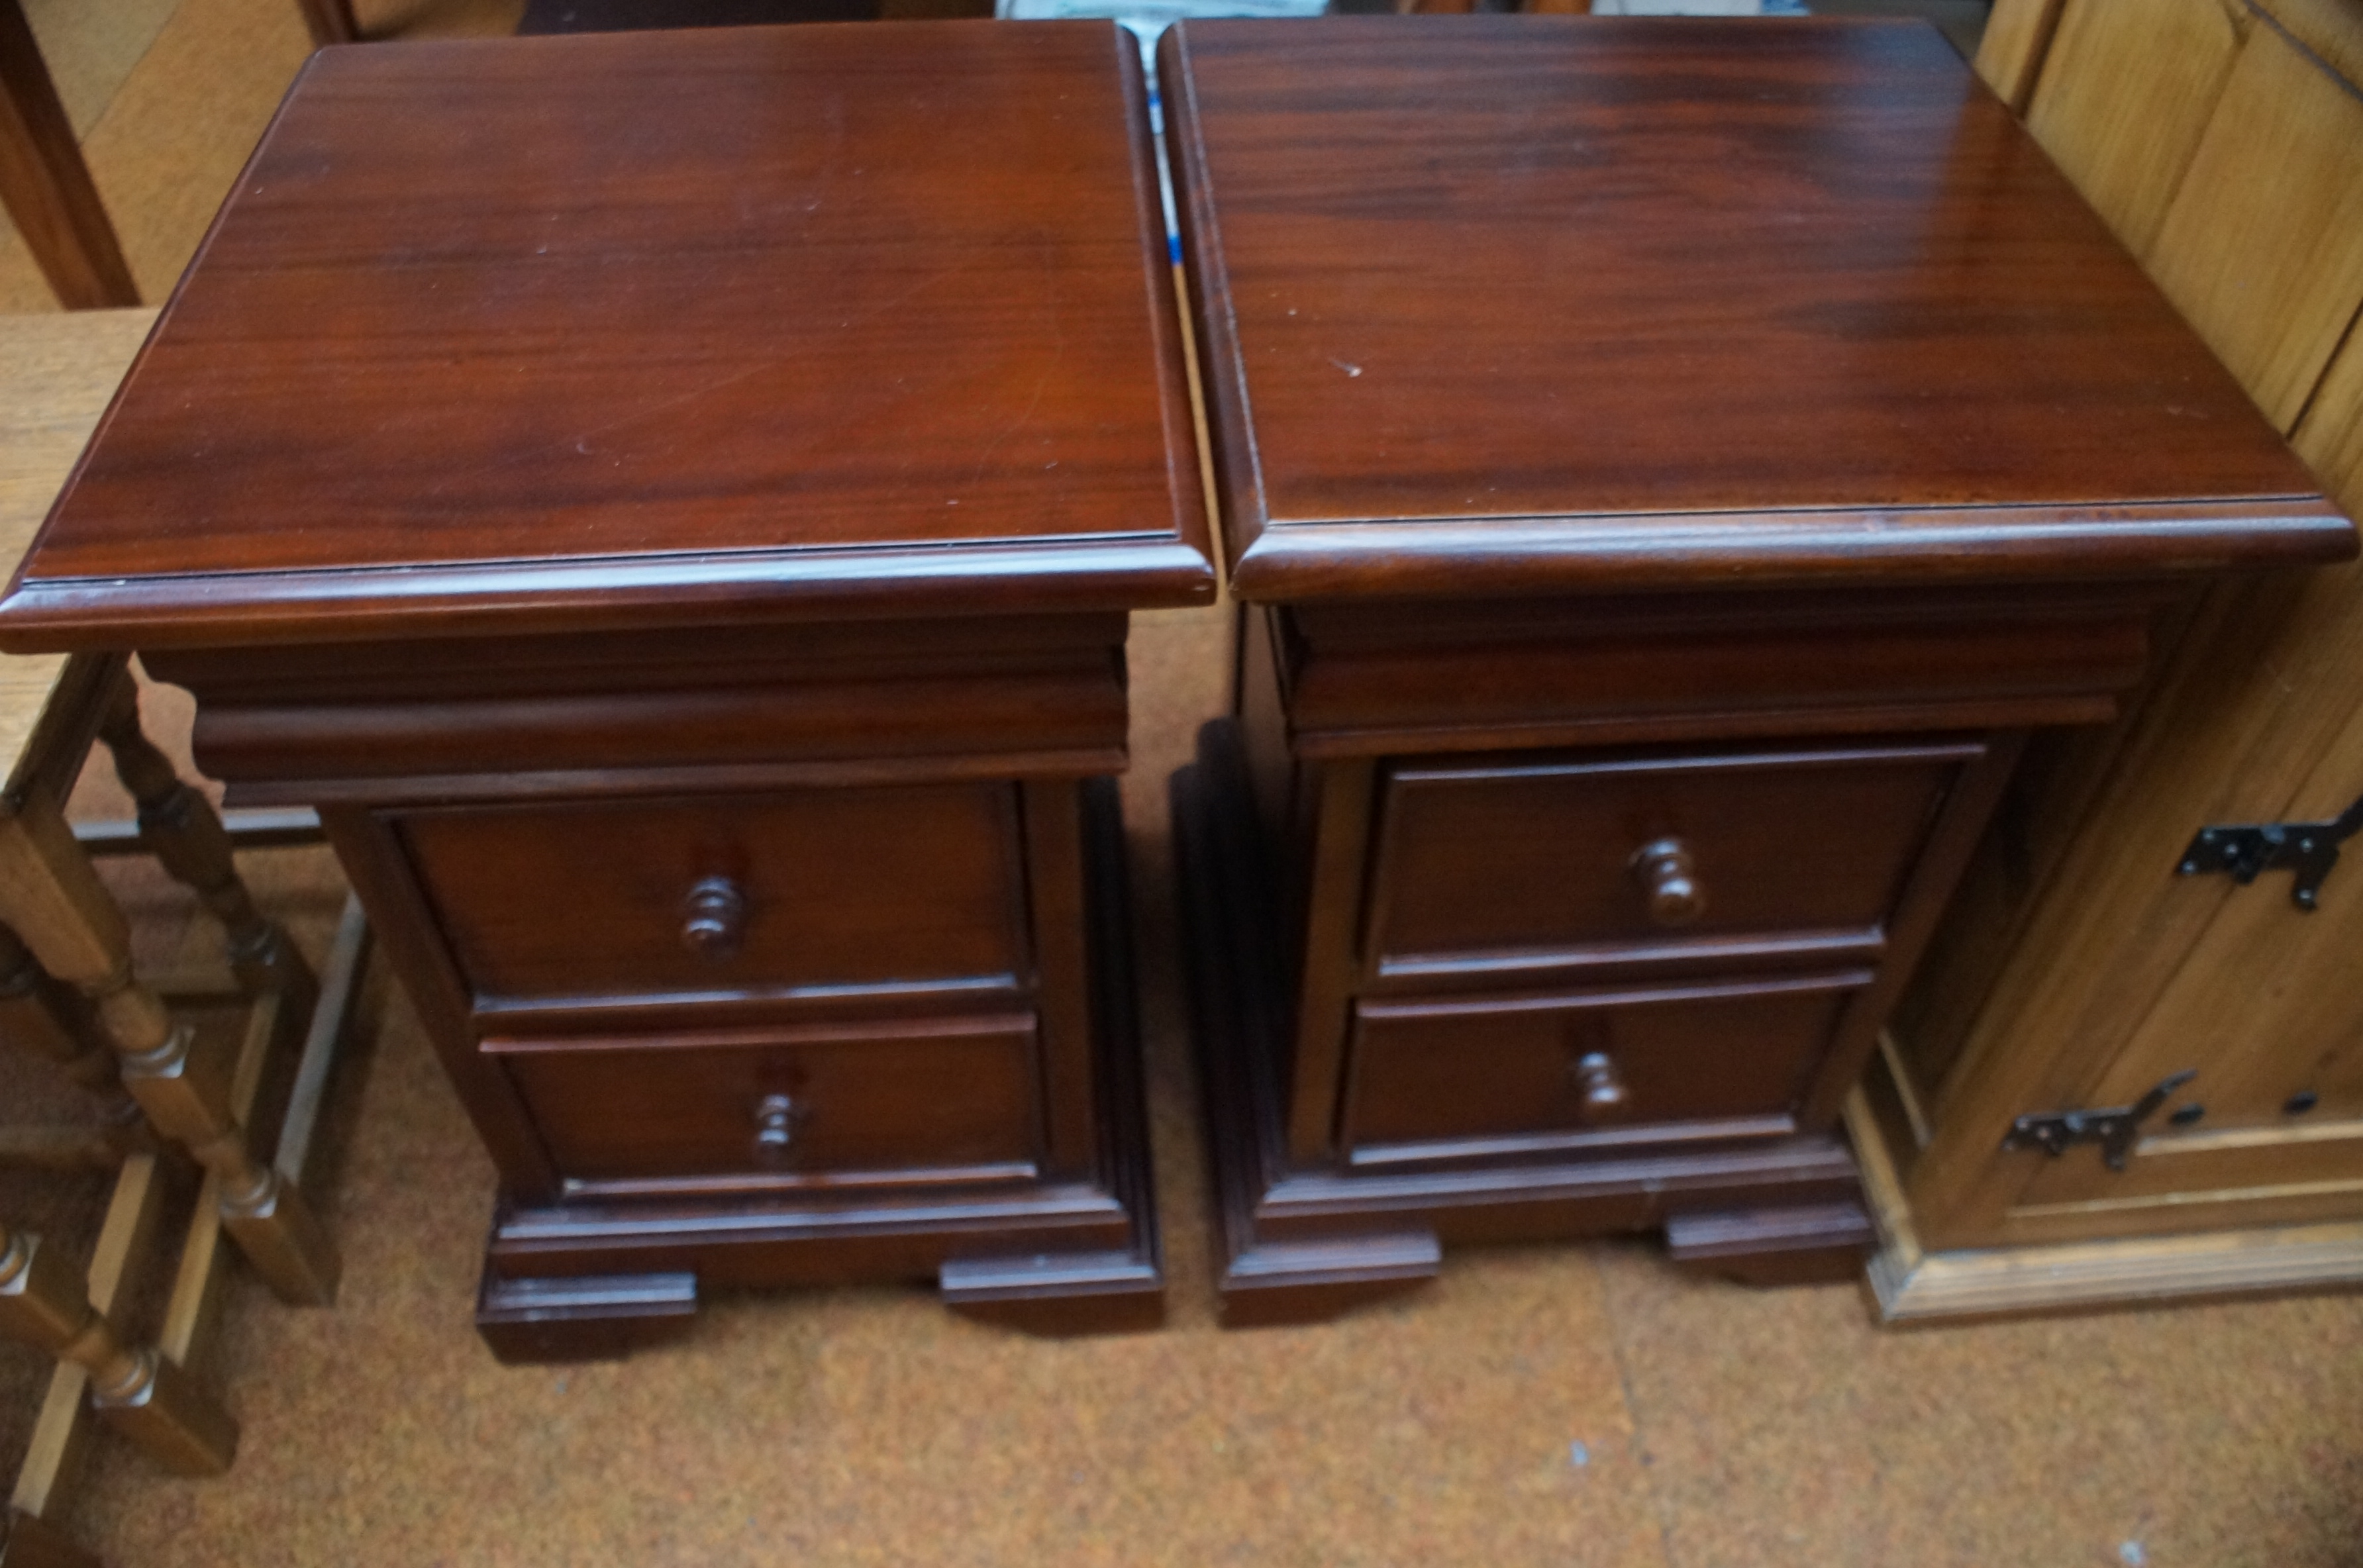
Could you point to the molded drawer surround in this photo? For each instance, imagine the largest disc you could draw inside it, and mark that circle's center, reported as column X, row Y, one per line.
column 814, row 892
column 1496, row 1075
column 934, row 1097
column 1509, row 863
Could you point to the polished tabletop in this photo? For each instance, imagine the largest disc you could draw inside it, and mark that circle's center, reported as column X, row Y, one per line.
column 564, row 332
column 1618, row 302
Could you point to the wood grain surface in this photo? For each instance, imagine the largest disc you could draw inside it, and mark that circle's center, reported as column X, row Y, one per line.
column 1504, row 303
column 2124, row 99
column 2262, row 248
column 885, row 1101
column 1494, row 1067
column 790, row 318
column 842, row 891
column 1534, row 855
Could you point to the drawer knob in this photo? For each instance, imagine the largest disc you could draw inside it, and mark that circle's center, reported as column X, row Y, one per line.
column 1669, row 877
column 714, row 917
column 775, row 1125
column 1604, row 1090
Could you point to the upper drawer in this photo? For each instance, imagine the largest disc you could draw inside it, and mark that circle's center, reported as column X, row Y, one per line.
column 925, row 1099
column 833, row 891
column 1493, row 865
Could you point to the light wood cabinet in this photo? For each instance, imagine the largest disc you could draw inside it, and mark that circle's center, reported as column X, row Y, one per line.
column 2079, row 970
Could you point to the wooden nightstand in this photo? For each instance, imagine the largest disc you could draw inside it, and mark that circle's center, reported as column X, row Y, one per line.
column 1669, row 467
column 671, row 500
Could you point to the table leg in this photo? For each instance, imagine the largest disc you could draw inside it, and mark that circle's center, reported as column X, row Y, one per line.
column 53, row 897
column 149, row 1399
column 186, row 834
column 49, row 1018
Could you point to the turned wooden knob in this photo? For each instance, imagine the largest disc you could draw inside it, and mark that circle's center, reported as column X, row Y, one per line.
column 1670, row 880
column 775, row 1125
column 1604, row 1090
column 714, row 917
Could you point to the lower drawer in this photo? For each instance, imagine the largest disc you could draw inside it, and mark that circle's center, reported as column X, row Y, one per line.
column 1542, row 1074
column 935, row 1098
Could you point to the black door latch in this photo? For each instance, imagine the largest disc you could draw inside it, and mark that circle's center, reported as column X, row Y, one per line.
column 2116, row 1130
column 2309, row 849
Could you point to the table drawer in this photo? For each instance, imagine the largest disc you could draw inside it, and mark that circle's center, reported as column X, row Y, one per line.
column 877, row 1098
column 1545, row 1072
column 812, row 890
column 1561, row 860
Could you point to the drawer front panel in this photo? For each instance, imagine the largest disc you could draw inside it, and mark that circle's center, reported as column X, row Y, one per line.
column 1603, row 1066
column 824, row 890
column 943, row 1092
column 1544, row 859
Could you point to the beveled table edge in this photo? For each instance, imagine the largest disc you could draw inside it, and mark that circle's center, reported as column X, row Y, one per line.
column 1295, row 561
column 603, row 594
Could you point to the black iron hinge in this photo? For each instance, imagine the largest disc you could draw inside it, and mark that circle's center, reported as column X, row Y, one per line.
column 2309, row 849
column 2116, row 1130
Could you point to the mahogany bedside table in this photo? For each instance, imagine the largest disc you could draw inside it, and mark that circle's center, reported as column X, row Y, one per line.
column 1668, row 466
column 671, row 500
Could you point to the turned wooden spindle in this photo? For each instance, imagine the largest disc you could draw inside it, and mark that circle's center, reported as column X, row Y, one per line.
column 186, row 835
column 42, row 1014
column 53, row 897
column 135, row 1388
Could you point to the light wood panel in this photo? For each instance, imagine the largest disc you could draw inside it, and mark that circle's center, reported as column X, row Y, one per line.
column 2257, row 1006
column 2262, row 248
column 2221, row 142
column 2011, row 51
column 2330, row 434
column 2124, row 99
column 2250, row 705
column 2327, row 28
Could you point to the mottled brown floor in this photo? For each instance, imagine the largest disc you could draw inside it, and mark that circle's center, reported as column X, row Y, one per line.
column 1577, row 1406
